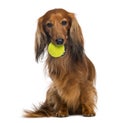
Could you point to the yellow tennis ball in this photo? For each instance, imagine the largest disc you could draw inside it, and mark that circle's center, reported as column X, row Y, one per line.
column 56, row 50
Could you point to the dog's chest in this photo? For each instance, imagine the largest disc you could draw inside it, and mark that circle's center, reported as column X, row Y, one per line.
column 70, row 92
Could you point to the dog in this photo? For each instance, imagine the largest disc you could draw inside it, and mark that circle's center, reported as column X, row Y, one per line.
column 73, row 75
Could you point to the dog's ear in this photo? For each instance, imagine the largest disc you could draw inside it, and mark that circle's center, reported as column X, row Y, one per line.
column 75, row 31
column 40, row 39
column 76, row 39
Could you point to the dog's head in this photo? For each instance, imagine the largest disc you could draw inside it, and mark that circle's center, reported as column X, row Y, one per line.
column 59, row 27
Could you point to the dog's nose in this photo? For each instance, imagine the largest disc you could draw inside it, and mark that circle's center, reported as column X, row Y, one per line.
column 59, row 41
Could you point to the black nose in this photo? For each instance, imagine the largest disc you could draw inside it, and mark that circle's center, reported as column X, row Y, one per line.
column 59, row 41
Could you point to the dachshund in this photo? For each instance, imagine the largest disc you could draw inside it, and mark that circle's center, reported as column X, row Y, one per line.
column 73, row 75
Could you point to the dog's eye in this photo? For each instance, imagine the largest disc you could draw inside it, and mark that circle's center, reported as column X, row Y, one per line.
column 49, row 24
column 64, row 22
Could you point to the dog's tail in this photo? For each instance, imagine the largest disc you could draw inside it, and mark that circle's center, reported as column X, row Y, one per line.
column 43, row 111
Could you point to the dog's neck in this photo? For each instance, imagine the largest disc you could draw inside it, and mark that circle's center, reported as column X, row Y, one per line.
column 59, row 67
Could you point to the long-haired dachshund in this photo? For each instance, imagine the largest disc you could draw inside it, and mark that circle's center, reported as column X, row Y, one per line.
column 73, row 74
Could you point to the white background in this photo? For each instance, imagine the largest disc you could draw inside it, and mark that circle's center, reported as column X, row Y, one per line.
column 23, row 82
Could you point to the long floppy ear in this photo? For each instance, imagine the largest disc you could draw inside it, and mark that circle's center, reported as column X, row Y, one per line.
column 76, row 40
column 40, row 39
column 75, row 31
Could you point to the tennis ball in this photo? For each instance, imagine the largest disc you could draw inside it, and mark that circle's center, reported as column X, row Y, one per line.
column 56, row 50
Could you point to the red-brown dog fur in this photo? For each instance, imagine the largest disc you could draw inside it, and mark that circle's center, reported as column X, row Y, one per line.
column 73, row 74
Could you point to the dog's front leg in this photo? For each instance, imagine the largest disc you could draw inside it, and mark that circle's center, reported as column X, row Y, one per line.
column 63, row 111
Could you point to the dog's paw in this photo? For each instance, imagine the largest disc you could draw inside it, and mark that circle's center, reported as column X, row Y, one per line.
column 62, row 113
column 88, row 114
column 88, row 110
